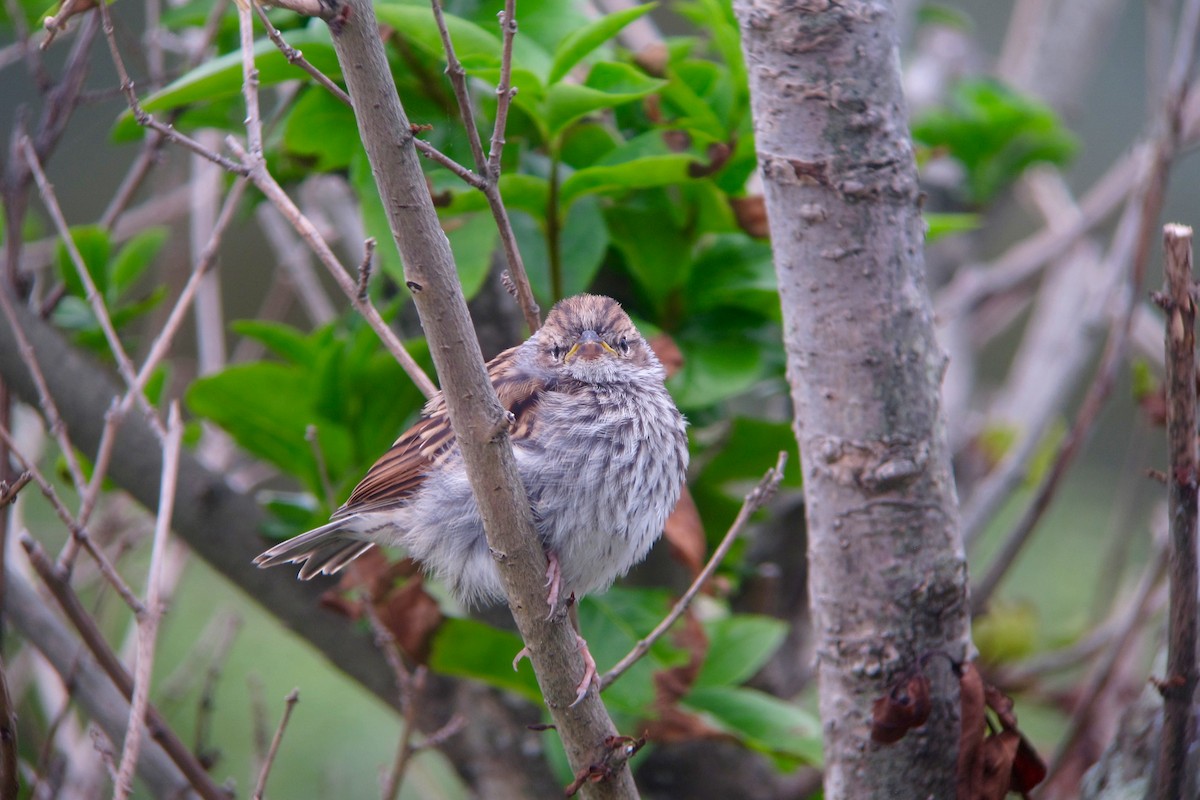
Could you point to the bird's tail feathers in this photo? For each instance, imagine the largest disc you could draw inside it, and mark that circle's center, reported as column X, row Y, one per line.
column 321, row 551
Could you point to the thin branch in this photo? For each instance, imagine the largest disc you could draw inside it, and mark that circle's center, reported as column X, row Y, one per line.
column 289, row 704
column 1085, row 704
column 147, row 624
column 9, row 491
column 296, row 58
column 78, row 532
column 458, row 80
column 1179, row 687
column 45, row 399
column 145, row 119
column 94, row 298
column 364, row 268
column 437, row 156
column 314, row 443
column 308, row 232
column 254, row 132
column 505, row 91
column 68, row 601
column 759, row 496
column 1135, row 231
column 491, row 169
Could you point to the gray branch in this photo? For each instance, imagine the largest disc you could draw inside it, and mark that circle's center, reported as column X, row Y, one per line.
column 887, row 569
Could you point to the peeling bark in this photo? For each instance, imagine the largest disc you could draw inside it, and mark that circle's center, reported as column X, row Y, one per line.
column 887, row 569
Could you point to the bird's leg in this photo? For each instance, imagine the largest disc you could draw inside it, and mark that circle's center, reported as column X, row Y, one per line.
column 553, row 582
column 589, row 664
column 590, row 677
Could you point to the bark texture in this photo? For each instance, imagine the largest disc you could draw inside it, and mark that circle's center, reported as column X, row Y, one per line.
column 887, row 569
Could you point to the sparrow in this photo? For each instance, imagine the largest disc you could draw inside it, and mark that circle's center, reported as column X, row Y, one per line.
column 599, row 444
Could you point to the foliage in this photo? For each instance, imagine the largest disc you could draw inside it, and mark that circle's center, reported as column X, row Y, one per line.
column 115, row 277
column 620, row 175
column 995, row 133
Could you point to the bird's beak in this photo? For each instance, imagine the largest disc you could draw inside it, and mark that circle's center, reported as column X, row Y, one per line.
column 587, row 347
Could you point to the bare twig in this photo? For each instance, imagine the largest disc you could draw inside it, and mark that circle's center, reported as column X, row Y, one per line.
column 364, row 269
column 458, row 80
column 490, row 169
column 505, row 91
column 147, row 624
column 45, row 399
column 145, row 119
column 9, row 491
column 297, row 58
column 68, row 601
column 1179, row 686
column 78, row 532
column 756, row 499
column 311, row 435
column 1136, row 230
column 289, row 704
column 1102, row 672
column 94, row 298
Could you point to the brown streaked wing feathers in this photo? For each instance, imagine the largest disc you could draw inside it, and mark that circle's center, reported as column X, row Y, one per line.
column 401, row 470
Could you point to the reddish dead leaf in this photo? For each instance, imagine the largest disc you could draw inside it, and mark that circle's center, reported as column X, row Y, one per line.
column 684, row 533
column 751, row 215
column 718, row 154
column 905, row 707
column 997, row 755
column 974, row 727
column 672, row 723
column 412, row 616
column 1002, row 704
column 668, row 352
column 1028, row 769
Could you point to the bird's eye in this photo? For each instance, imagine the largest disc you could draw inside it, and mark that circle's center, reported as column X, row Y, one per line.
column 623, row 345
column 556, row 352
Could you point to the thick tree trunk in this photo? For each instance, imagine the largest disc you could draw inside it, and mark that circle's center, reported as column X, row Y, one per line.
column 887, row 570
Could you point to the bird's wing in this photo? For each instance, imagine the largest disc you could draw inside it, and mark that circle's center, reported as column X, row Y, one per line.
column 397, row 475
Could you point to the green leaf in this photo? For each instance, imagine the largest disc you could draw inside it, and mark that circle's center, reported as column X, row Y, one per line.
column 751, row 447
column 608, row 85
column 582, row 42
column 470, row 649
column 939, row 226
column 657, row 251
column 134, row 257
column 94, row 247
column 520, row 193
column 267, row 408
column 222, row 77
column 1006, row 633
column 584, row 243
column 995, row 133
column 281, row 339
column 641, row 173
column 716, row 370
column 323, row 128
column 738, row 646
column 473, row 240
column 473, row 45
column 733, row 271
column 764, row 723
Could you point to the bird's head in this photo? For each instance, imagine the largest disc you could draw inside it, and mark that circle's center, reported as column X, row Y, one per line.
column 590, row 338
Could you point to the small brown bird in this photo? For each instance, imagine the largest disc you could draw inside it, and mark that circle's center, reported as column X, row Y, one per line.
column 601, row 448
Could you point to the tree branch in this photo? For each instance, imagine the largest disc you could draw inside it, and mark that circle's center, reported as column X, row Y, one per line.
column 1178, row 688
column 480, row 424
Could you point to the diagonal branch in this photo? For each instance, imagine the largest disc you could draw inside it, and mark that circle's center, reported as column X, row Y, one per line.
column 759, row 496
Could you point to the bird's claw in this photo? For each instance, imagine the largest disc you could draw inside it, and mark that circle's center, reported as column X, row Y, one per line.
column 553, row 583
column 590, row 678
column 517, row 660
